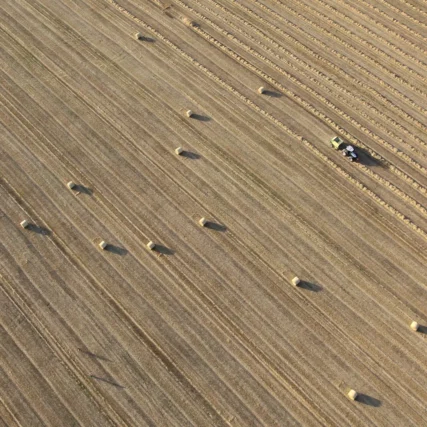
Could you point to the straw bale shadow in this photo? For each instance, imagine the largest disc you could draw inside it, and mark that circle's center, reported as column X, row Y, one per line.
column 116, row 250
column 272, row 94
column 83, row 190
column 215, row 226
column 200, row 117
column 368, row 400
column 310, row 286
column 422, row 329
column 39, row 230
column 163, row 250
column 190, row 155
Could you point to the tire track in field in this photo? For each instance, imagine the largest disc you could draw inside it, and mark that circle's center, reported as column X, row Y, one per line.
column 24, row 411
column 7, row 414
column 64, row 357
column 120, row 310
column 25, row 366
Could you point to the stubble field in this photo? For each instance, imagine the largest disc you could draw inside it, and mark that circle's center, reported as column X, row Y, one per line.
column 207, row 329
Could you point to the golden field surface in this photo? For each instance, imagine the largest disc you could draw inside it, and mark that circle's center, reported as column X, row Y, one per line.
column 206, row 329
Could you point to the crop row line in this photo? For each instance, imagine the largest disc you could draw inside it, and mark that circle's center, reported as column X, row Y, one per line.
column 374, row 22
column 402, row 12
column 334, row 37
column 353, row 36
column 388, row 17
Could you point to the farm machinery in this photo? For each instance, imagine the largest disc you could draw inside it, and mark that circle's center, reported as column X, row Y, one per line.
column 347, row 150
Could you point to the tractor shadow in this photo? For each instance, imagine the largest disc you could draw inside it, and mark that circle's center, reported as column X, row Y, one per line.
column 200, row 117
column 39, row 230
column 190, row 155
column 215, row 226
column 163, row 250
column 367, row 160
column 116, row 250
column 309, row 286
column 83, row 190
column 108, row 381
column 272, row 94
column 368, row 400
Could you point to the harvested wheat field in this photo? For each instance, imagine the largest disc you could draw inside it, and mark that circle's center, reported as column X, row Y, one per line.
column 167, row 174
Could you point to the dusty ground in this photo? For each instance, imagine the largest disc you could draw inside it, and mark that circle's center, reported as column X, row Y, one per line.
column 207, row 330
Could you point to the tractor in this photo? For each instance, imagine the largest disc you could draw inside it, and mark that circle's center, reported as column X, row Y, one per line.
column 347, row 150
